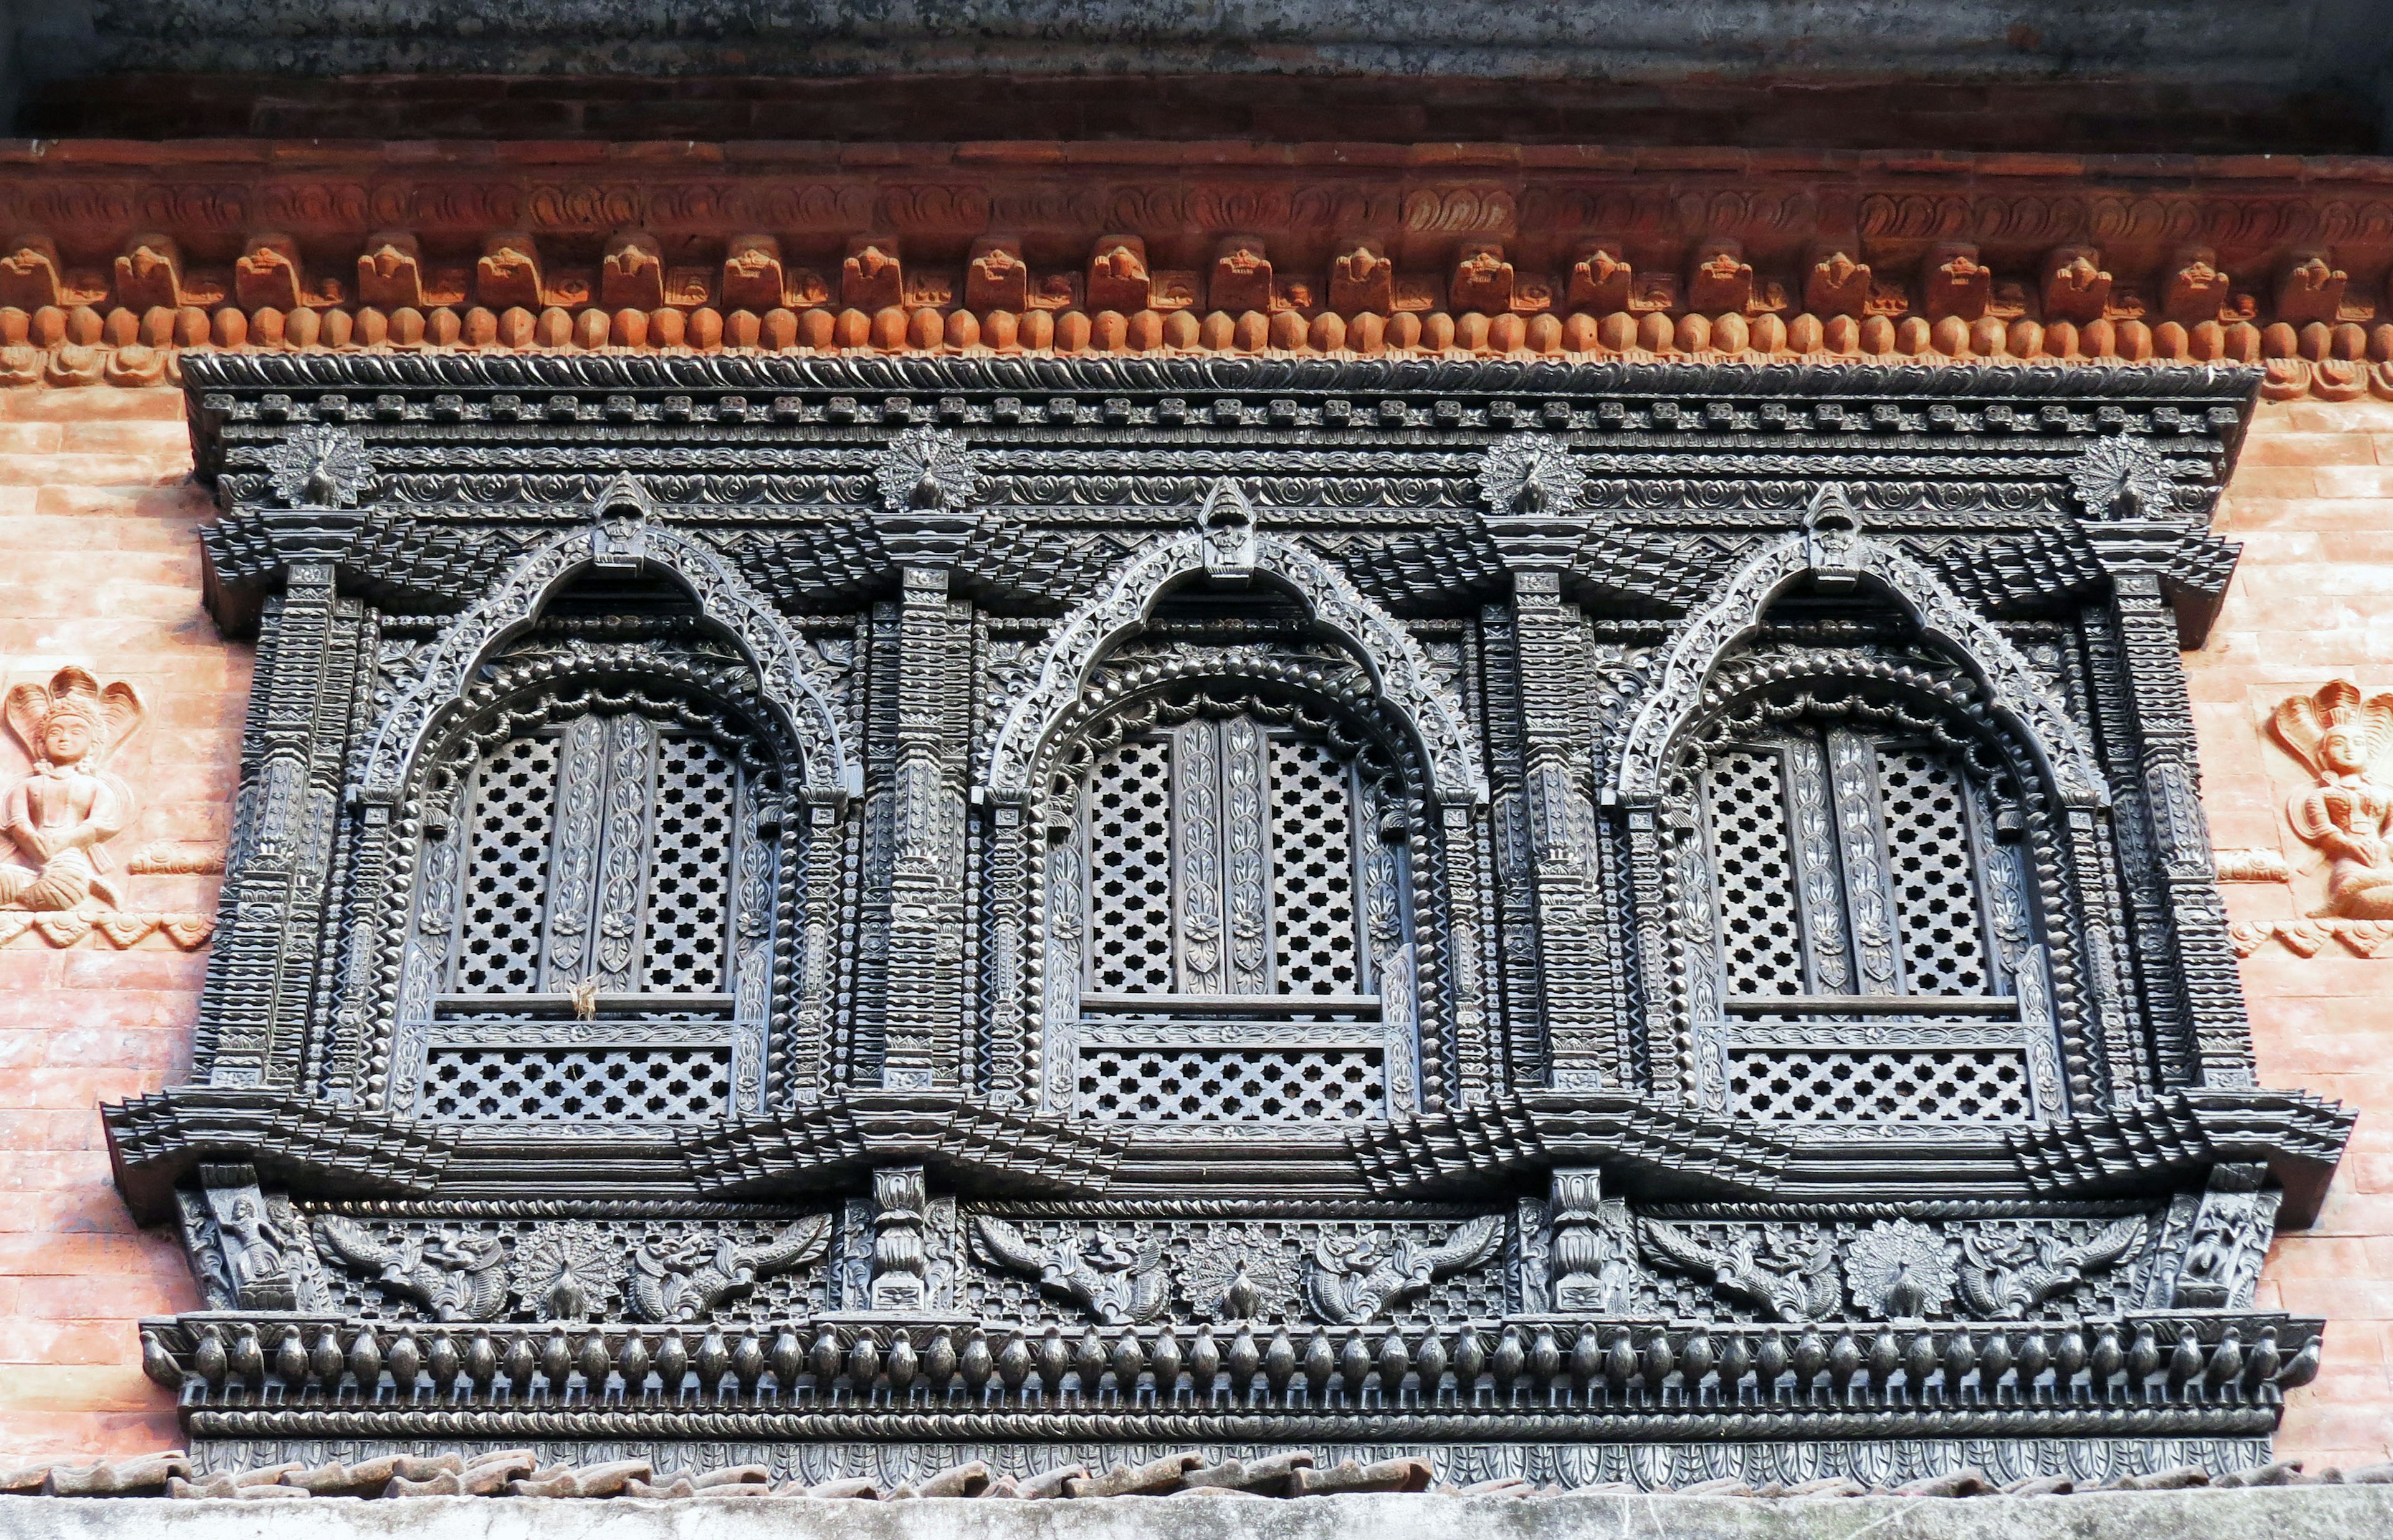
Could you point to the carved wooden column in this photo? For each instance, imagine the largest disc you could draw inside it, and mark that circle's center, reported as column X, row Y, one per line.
column 2138, row 533
column 1556, row 732
column 927, row 981
column 1532, row 486
column 271, row 960
column 2213, row 998
column 926, row 481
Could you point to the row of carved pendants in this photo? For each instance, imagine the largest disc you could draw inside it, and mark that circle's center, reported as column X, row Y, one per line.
column 1529, row 1364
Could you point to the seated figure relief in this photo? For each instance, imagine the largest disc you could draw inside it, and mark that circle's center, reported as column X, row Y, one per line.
column 60, row 817
column 2347, row 742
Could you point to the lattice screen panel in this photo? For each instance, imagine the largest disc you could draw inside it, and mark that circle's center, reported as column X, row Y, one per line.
column 1760, row 938
column 1877, row 1086
column 690, row 882
column 1921, row 796
column 506, row 869
column 1129, row 870
column 1230, row 1085
column 577, row 1085
column 1312, row 870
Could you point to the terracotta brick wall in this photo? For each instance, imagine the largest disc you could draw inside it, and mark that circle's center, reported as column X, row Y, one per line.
column 2312, row 502
column 98, row 566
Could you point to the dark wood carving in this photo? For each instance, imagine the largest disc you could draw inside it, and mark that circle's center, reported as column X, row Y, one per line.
column 1597, row 921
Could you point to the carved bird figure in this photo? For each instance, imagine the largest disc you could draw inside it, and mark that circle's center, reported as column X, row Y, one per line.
column 681, row 1283
column 2005, row 1281
column 1351, row 1279
column 1807, row 1290
column 456, row 1277
column 1120, row 1284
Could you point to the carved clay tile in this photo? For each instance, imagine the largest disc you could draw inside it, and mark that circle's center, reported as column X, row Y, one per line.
column 1835, row 284
column 1362, row 279
column 2076, row 287
column 1953, row 283
column 390, row 271
column 2311, row 290
column 1482, row 279
column 1600, row 274
column 2195, row 290
column 1117, row 274
column 1241, row 277
column 508, row 273
column 268, row 274
column 633, row 273
column 150, row 272
column 871, row 278
column 1719, row 281
column 997, row 277
column 752, row 273
column 29, row 274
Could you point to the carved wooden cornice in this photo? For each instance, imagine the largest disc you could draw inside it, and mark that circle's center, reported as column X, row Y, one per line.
column 125, row 256
column 1663, row 1152
column 832, row 1142
column 155, row 1140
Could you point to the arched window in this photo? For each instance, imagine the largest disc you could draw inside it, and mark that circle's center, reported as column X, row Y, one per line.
column 592, row 934
column 1867, row 948
column 1240, row 928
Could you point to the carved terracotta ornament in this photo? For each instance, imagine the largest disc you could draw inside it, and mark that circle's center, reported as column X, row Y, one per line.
column 58, row 877
column 2348, row 743
column 61, row 815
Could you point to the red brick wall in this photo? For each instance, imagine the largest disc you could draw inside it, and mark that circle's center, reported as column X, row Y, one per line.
column 2312, row 502
column 100, row 568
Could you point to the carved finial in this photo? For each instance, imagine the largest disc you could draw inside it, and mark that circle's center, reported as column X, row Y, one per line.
column 1227, row 524
column 320, row 466
column 927, row 470
column 620, row 538
column 1531, row 474
column 2122, row 478
column 1830, row 530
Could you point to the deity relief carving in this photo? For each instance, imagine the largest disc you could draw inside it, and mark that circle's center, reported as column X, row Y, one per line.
column 63, row 814
column 2346, row 742
column 59, row 877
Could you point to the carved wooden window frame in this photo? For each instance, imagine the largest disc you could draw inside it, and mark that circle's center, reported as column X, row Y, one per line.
column 2023, row 883
column 677, row 691
column 1334, row 704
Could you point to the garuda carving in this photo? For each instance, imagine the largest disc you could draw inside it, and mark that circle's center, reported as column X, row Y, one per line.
column 64, row 813
column 1117, row 1282
column 682, row 1282
column 1352, row 1279
column 456, row 1277
column 2003, row 1280
column 2348, row 743
column 1799, row 1288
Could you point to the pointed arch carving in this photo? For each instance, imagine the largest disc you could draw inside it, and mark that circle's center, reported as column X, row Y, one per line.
column 827, row 770
column 1399, row 670
column 1831, row 546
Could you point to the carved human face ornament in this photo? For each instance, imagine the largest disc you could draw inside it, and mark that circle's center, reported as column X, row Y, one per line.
column 66, row 738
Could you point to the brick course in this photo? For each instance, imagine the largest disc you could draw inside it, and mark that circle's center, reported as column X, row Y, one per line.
column 96, row 513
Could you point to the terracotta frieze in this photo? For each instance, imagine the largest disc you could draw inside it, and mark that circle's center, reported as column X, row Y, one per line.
column 114, row 264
